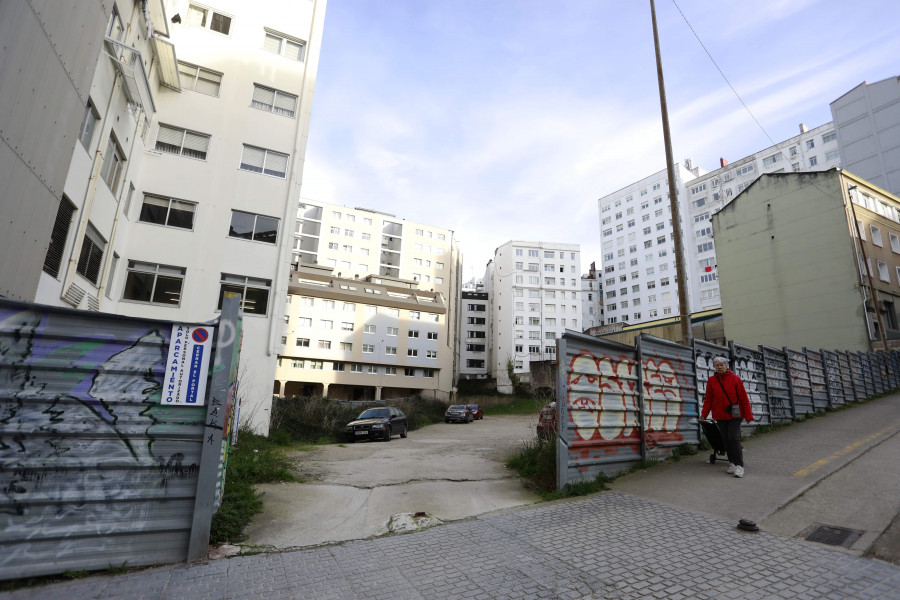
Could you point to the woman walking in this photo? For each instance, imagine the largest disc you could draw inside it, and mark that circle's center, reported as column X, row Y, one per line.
column 728, row 401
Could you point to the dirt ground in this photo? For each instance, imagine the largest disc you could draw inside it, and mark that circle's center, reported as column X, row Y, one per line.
column 440, row 473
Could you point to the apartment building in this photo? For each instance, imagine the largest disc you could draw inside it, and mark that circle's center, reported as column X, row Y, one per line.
column 178, row 179
column 474, row 330
column 637, row 238
column 867, row 121
column 534, row 291
column 592, row 298
column 637, row 241
column 372, row 309
column 807, row 260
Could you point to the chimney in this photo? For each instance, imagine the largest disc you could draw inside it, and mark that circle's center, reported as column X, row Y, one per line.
column 803, row 128
column 723, row 162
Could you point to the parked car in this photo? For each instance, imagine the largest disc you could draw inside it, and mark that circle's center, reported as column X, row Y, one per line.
column 477, row 412
column 377, row 423
column 547, row 421
column 458, row 412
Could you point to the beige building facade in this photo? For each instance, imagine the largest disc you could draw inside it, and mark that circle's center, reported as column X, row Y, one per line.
column 793, row 270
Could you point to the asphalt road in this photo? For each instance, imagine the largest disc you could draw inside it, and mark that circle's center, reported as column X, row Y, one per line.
column 443, row 472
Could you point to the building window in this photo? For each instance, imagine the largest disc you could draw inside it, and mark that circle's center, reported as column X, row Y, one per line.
column 356, row 368
column 813, row 161
column 876, row 235
column 254, row 292
column 111, row 171
column 412, row 352
column 115, row 29
column 369, row 329
column 199, row 79
column 431, row 354
column 390, row 350
column 88, row 122
column 325, row 344
column 327, row 324
column 167, row 211
column 346, row 346
column 260, row 160
column 413, row 333
column 58, row 237
column 883, row 273
column 91, row 257
column 200, row 16
column 368, row 348
column 810, row 144
column 392, row 330
column 303, row 342
column 152, row 283
column 274, row 101
column 346, row 326
column 175, row 140
column 278, row 43
column 248, row 226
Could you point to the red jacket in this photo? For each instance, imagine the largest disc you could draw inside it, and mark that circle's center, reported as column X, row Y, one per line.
column 716, row 401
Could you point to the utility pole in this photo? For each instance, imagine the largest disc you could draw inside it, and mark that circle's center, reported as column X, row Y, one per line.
column 673, row 194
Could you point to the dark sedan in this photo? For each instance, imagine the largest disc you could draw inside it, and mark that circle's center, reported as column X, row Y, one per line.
column 477, row 411
column 377, row 424
column 458, row 412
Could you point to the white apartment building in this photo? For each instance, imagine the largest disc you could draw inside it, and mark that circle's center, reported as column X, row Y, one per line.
column 592, row 298
column 475, row 327
column 637, row 238
column 867, row 120
column 180, row 179
column 373, row 306
column 637, row 242
column 535, row 295
column 811, row 150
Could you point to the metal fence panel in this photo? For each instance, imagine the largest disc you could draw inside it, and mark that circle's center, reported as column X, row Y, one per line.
column 704, row 353
column 895, row 369
column 598, row 409
column 877, row 373
column 833, row 378
column 749, row 364
column 668, row 387
column 95, row 471
column 865, row 370
column 778, row 384
column 801, row 389
column 854, row 386
column 817, row 380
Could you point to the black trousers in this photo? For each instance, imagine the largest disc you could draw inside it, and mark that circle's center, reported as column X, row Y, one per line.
column 730, row 431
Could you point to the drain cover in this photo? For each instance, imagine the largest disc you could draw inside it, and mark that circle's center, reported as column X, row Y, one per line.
column 833, row 536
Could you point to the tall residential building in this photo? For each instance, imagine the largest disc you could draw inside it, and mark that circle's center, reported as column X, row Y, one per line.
column 372, row 308
column 475, row 326
column 592, row 298
column 179, row 181
column 636, row 238
column 867, row 120
column 535, row 295
column 639, row 284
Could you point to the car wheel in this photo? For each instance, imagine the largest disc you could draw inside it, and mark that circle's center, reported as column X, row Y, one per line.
column 403, row 433
column 387, row 437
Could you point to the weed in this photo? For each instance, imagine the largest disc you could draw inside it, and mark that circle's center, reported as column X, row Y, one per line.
column 117, row 569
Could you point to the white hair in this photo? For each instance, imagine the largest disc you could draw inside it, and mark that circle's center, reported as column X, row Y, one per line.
column 720, row 359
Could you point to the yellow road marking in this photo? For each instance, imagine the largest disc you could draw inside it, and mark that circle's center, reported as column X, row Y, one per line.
column 845, row 450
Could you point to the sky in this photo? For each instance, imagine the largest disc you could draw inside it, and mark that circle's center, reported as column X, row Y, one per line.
column 508, row 119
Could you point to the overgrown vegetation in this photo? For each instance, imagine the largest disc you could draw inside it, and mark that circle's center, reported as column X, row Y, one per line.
column 253, row 460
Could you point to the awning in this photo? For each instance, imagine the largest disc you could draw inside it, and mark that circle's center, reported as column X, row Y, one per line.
column 168, row 63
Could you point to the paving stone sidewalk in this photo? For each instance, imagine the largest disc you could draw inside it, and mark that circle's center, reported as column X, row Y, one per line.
column 608, row 546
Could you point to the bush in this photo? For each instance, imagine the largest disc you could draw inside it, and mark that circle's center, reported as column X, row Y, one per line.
column 254, row 459
column 536, row 462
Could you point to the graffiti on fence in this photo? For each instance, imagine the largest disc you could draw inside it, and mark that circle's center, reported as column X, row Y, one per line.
column 664, row 402
column 602, row 397
column 777, row 384
column 752, row 373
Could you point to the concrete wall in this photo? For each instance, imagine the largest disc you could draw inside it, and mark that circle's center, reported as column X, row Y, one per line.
column 786, row 265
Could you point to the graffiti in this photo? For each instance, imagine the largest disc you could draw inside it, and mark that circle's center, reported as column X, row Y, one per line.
column 601, row 400
column 86, row 447
column 750, row 367
column 777, row 385
column 664, row 403
column 801, row 390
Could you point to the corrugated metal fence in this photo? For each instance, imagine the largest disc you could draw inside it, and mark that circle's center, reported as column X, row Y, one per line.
column 619, row 404
column 94, row 469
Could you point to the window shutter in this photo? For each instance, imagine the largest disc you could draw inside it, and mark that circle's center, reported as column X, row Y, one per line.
column 169, row 137
column 252, row 159
column 285, row 104
column 293, row 50
column 60, row 232
column 188, row 74
column 195, row 145
column 272, row 43
column 276, row 164
column 209, row 83
column 264, row 97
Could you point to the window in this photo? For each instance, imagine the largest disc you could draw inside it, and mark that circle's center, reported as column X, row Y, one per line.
column 278, row 43
column 200, row 16
column 254, row 292
column 274, row 101
column 325, row 344
column 167, row 211
column 58, row 237
column 432, row 335
column 390, row 350
column 356, row 368
column 705, row 247
column 369, row 329
column 832, row 154
column 431, row 354
column 88, row 121
column 895, row 243
column 156, row 284
column 368, row 348
column 813, row 161
column 744, row 170
column 883, row 273
column 175, row 140
column 253, row 227
column 533, row 253
column 346, row 346
column 412, row 352
column 771, row 160
column 409, row 372
column 829, row 137
column 199, row 79
column 111, row 170
column 260, row 160
column 115, row 29
column 413, row 333
column 304, row 322
column 304, row 342
column 346, row 326
column 91, row 257
column 876, row 235
column 810, row 144
column 392, row 330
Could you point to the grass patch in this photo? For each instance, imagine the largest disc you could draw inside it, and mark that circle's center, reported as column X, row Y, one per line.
column 253, row 460
column 514, row 405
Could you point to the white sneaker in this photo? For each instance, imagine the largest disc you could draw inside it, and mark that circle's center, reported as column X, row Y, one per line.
column 730, row 469
column 739, row 471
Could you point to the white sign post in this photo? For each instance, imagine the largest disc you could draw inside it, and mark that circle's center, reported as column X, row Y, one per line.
column 188, row 365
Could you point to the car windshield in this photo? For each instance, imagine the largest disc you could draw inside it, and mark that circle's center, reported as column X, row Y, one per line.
column 457, row 407
column 375, row 413
column 473, row 406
